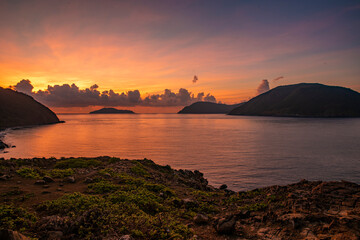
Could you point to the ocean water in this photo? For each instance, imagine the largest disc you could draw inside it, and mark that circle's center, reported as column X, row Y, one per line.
column 242, row 152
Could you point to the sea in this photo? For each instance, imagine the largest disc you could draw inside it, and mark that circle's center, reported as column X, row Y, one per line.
column 243, row 152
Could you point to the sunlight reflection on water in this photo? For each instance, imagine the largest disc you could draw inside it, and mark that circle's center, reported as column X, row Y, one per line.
column 243, row 152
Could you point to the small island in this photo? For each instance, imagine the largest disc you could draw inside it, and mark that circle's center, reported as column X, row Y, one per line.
column 208, row 108
column 111, row 111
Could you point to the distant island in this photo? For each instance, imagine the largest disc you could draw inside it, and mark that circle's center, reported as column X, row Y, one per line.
column 111, row 110
column 18, row 109
column 303, row 100
column 208, row 108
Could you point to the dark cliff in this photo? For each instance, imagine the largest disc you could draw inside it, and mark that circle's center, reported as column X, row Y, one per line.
column 19, row 109
column 303, row 100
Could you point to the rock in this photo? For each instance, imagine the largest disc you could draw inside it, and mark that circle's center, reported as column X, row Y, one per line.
column 12, row 235
column 223, row 187
column 46, row 186
column 3, row 145
column 40, row 182
column 48, row 179
column 70, row 179
column 59, row 189
column 45, row 192
column 55, row 235
column 189, row 203
column 88, row 180
column 126, row 237
column 226, row 225
column 3, row 178
column 345, row 236
column 201, row 219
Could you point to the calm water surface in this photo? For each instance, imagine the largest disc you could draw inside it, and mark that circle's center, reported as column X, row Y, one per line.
column 242, row 152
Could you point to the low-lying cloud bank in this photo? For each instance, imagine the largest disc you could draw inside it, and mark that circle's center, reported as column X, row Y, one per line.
column 72, row 96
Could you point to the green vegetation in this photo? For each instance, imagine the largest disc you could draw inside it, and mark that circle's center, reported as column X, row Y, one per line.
column 102, row 187
column 61, row 173
column 123, row 211
column 15, row 218
column 77, row 163
column 28, row 172
column 139, row 170
column 254, row 207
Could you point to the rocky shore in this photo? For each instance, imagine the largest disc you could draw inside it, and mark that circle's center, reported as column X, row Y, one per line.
column 111, row 198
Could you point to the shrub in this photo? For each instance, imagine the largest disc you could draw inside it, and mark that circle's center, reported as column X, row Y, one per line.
column 102, row 187
column 61, row 173
column 28, row 172
column 141, row 197
column 139, row 170
column 15, row 218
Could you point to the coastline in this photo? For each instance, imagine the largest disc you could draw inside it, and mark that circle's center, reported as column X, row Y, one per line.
column 111, row 198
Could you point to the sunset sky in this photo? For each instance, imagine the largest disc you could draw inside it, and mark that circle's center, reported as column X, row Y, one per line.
column 146, row 47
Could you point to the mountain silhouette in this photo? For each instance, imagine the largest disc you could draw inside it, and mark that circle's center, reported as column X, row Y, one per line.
column 303, row 100
column 19, row 109
column 208, row 108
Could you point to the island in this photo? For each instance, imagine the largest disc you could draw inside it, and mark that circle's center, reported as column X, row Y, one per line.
column 112, row 198
column 208, row 108
column 18, row 109
column 303, row 100
column 111, row 111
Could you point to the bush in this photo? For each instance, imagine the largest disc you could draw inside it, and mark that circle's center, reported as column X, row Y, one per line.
column 27, row 172
column 61, row 173
column 139, row 170
column 119, row 212
column 102, row 187
column 142, row 198
column 15, row 218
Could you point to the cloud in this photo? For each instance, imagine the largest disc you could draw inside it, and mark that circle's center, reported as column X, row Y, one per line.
column 263, row 87
column 195, row 79
column 23, row 86
column 72, row 96
column 278, row 78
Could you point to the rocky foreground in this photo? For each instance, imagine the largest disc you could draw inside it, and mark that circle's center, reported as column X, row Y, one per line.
column 111, row 198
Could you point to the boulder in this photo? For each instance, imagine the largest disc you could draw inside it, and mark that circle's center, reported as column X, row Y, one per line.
column 70, row 179
column 226, row 225
column 48, row 179
column 40, row 182
column 201, row 219
column 6, row 234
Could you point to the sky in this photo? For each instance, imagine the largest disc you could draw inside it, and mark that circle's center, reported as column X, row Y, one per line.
column 76, row 56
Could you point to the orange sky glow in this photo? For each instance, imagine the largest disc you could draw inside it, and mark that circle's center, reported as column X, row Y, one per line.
column 134, row 45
